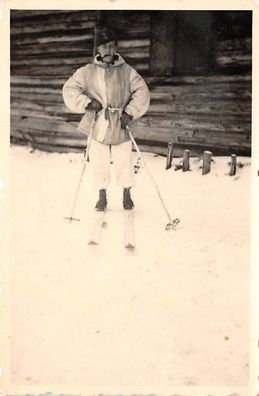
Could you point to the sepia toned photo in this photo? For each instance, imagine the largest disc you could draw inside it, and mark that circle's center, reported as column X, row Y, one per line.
column 130, row 164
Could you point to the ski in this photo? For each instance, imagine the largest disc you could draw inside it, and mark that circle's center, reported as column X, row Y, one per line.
column 129, row 231
column 98, row 224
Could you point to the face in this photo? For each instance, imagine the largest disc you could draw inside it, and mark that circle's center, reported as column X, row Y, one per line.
column 107, row 51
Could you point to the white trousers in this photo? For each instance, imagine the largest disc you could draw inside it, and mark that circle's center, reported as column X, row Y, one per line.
column 101, row 156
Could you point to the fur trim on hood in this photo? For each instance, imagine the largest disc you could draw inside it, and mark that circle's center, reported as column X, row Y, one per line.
column 118, row 61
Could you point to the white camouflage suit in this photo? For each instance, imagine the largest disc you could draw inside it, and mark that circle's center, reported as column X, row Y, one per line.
column 118, row 87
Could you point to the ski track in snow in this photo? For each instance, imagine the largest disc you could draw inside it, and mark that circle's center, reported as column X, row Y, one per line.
column 173, row 312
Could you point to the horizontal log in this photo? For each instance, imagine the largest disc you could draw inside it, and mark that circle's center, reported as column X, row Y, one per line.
column 195, row 150
column 194, row 80
column 43, row 49
column 159, row 133
column 140, row 31
column 41, row 98
column 36, row 133
column 181, row 96
column 215, row 107
column 38, row 81
column 164, row 97
column 44, row 90
column 163, row 115
column 163, row 93
column 158, row 98
column 195, row 121
column 134, row 43
column 204, row 88
column 42, row 27
column 30, row 124
column 58, row 149
column 37, row 15
column 156, row 150
column 47, row 115
column 50, row 61
column 52, row 139
column 22, row 104
column 160, row 101
column 43, row 57
column 209, row 141
column 165, row 136
column 51, row 148
column 180, row 143
column 232, row 143
column 242, row 108
column 70, row 48
column 76, row 39
column 153, row 82
column 65, row 70
column 31, row 62
column 81, row 140
column 126, row 18
column 168, row 104
column 131, row 55
column 71, row 60
column 58, row 37
column 54, row 71
column 231, row 58
column 150, row 119
column 54, row 37
column 185, row 127
column 236, row 44
column 208, row 135
column 188, row 126
column 52, row 114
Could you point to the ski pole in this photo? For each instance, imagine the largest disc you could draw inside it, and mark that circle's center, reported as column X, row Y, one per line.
column 71, row 218
column 172, row 222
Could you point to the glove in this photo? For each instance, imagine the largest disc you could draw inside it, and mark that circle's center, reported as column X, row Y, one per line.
column 94, row 105
column 125, row 119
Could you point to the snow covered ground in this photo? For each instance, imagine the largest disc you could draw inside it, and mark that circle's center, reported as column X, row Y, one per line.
column 173, row 312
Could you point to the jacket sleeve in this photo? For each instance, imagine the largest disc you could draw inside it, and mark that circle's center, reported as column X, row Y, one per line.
column 73, row 88
column 140, row 96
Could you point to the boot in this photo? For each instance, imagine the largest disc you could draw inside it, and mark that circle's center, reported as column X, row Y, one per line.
column 128, row 204
column 101, row 204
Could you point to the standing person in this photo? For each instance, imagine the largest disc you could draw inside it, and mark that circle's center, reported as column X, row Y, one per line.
column 118, row 95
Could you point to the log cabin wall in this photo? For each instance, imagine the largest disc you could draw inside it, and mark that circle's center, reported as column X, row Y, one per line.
column 200, row 79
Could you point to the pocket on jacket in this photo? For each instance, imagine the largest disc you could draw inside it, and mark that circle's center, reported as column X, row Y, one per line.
column 85, row 124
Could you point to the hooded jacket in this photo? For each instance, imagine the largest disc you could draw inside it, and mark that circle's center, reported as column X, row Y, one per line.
column 118, row 87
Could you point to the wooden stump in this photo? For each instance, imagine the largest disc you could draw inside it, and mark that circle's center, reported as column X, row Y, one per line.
column 186, row 160
column 233, row 165
column 206, row 162
column 169, row 156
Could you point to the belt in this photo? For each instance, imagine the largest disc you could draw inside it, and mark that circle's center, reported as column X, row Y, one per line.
column 112, row 110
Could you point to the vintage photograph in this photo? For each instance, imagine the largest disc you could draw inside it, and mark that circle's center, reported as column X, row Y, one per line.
column 130, row 191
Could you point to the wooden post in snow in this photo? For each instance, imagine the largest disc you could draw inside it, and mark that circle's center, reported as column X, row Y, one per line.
column 169, row 156
column 186, row 160
column 206, row 162
column 233, row 165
